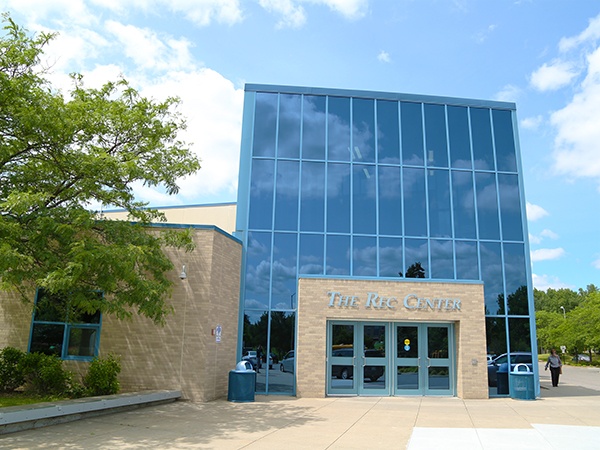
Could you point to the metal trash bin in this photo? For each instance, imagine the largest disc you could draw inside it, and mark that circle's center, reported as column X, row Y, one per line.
column 242, row 383
column 522, row 383
column 502, row 379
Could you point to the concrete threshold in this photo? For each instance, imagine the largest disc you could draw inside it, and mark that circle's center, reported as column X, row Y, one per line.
column 18, row 418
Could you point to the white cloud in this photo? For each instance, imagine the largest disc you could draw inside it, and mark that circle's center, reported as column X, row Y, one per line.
column 544, row 282
column 509, row 93
column 384, row 56
column 596, row 263
column 72, row 12
column 292, row 15
column 531, row 123
column 482, row 36
column 535, row 212
column 591, row 33
column 553, row 76
column 549, row 234
column 544, row 254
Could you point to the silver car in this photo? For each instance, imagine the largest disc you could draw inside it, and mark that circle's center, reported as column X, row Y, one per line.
column 287, row 363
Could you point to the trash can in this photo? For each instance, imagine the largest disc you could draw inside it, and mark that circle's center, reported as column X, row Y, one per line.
column 242, row 383
column 502, row 379
column 522, row 385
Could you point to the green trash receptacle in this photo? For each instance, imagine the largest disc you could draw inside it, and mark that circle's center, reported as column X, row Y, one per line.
column 242, row 383
column 522, row 383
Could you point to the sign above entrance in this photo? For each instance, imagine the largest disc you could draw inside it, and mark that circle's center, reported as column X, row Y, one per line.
column 375, row 301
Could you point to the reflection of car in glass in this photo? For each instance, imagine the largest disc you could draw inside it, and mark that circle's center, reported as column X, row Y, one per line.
column 490, row 358
column 287, row 363
column 515, row 358
column 251, row 357
column 372, row 373
column 270, row 360
column 582, row 357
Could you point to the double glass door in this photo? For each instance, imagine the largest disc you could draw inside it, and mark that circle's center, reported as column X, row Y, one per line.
column 382, row 358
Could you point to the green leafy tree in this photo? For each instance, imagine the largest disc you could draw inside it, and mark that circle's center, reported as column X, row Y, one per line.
column 62, row 155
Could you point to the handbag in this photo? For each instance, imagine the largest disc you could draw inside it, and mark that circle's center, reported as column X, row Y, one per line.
column 560, row 370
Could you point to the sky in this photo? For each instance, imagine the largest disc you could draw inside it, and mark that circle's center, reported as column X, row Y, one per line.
column 544, row 55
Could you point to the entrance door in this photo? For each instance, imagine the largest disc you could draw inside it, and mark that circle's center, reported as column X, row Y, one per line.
column 423, row 360
column 358, row 358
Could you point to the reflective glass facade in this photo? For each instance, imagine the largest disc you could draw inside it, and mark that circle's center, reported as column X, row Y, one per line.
column 338, row 183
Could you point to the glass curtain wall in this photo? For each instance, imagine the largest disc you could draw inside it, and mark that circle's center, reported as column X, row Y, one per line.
column 348, row 186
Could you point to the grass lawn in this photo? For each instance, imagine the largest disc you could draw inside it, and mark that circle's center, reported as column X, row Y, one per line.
column 19, row 398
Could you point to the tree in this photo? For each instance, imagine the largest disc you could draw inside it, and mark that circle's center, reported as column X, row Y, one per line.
column 62, row 155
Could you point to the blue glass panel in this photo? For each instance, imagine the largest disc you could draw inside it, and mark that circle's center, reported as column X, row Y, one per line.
column 338, row 198
column 261, row 194
column 519, row 333
column 338, row 129
column 338, row 255
column 510, row 207
column 435, row 136
column 491, row 274
column 412, row 133
column 363, row 130
column 438, row 186
column 390, row 257
column 258, row 268
column 390, row 201
column 286, row 198
column 284, row 270
column 311, row 254
column 495, row 332
column 442, row 259
column 516, row 279
column 481, row 131
column 265, row 124
column 289, row 126
column 364, row 256
column 487, row 206
column 388, row 135
column 415, row 215
column 281, row 341
column 363, row 198
column 466, row 260
column 458, row 130
column 416, row 255
column 504, row 139
column 463, row 203
column 313, row 127
column 312, row 197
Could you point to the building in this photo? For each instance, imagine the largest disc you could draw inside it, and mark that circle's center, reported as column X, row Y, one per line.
column 385, row 241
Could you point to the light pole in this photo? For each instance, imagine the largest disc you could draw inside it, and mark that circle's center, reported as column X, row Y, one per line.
column 563, row 310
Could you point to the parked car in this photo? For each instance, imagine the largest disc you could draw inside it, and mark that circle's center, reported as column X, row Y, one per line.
column 582, row 357
column 287, row 363
column 252, row 357
column 270, row 363
column 490, row 358
column 371, row 372
column 515, row 358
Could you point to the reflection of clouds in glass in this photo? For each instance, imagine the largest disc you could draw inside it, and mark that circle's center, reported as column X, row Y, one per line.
column 288, row 174
column 262, row 184
column 389, row 183
column 509, row 197
column 442, row 259
column 254, row 304
column 390, row 260
column 461, row 163
column 416, row 251
column 486, row 198
column 313, row 180
column 466, row 260
column 257, row 278
column 413, row 183
column 365, row 261
column 313, row 136
column 265, row 123
column 338, row 180
column 283, row 277
column 254, row 316
column 338, row 137
column 289, row 125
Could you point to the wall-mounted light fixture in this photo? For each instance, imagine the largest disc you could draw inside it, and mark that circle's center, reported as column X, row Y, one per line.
column 183, row 274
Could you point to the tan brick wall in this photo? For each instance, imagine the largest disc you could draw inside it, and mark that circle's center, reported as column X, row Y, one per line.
column 183, row 354
column 314, row 312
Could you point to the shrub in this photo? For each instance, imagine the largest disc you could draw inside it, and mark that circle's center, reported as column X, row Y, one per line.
column 101, row 378
column 45, row 375
column 11, row 376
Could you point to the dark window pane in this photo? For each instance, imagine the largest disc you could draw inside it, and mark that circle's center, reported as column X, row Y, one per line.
column 388, row 136
column 313, row 127
column 364, row 205
column 491, row 274
column 519, row 332
column 286, row 199
column 261, row 194
column 50, row 308
column 289, row 126
column 283, row 326
column 416, row 258
column 363, row 130
column 364, row 256
column 47, row 339
column 458, row 130
column 466, row 260
column 390, row 201
column 438, row 185
column 463, row 203
column 265, row 124
column 495, row 331
column 516, row 279
column 437, row 342
column 483, row 151
column 312, row 197
column 505, row 141
column 435, row 136
column 412, row 133
column 258, row 267
column 284, row 270
column 390, row 257
column 256, row 325
column 415, row 215
column 407, row 342
column 338, row 131
column 510, row 207
column 338, row 198
column 487, row 206
column 82, row 341
column 442, row 259
column 338, row 255
column 311, row 254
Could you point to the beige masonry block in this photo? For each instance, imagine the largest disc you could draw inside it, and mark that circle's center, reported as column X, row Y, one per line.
column 314, row 312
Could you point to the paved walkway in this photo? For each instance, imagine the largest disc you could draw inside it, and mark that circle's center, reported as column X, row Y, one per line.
column 567, row 417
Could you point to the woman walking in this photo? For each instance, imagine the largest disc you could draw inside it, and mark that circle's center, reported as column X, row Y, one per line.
column 555, row 367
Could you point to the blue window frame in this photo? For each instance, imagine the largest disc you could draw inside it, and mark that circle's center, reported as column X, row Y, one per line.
column 58, row 329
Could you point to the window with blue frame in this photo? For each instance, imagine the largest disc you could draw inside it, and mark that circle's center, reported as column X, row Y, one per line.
column 60, row 329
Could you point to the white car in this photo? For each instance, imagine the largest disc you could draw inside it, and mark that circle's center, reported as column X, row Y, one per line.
column 287, row 363
column 252, row 357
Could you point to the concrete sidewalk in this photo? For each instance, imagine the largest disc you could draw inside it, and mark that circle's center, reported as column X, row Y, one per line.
column 564, row 417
